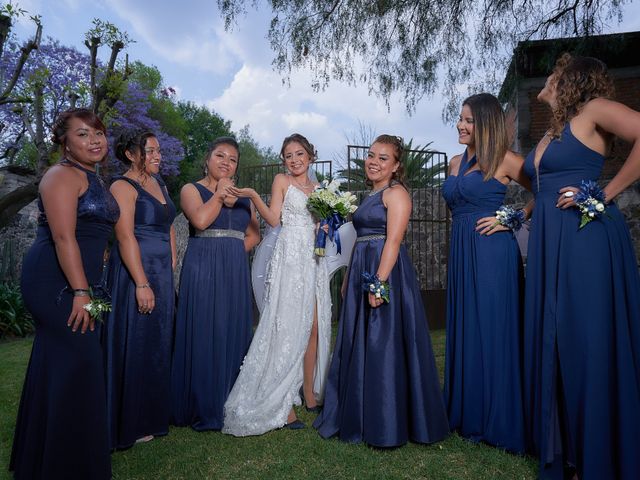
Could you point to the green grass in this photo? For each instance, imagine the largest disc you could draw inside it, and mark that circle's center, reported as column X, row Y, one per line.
column 302, row 454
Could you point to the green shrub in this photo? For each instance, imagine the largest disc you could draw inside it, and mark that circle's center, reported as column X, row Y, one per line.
column 15, row 320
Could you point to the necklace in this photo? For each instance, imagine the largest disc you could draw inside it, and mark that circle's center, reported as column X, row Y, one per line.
column 304, row 187
column 375, row 192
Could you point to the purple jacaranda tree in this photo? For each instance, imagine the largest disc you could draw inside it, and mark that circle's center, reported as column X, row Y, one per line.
column 62, row 75
column 132, row 113
column 55, row 77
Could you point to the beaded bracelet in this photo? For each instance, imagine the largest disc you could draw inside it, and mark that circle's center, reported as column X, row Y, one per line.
column 373, row 284
column 143, row 285
column 81, row 292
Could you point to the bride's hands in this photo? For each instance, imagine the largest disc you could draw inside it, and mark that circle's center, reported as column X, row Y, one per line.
column 242, row 192
column 223, row 188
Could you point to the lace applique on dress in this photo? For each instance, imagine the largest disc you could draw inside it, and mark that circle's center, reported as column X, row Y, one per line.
column 271, row 374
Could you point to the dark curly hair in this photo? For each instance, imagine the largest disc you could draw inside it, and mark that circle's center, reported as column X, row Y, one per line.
column 133, row 141
column 302, row 140
column 578, row 80
column 60, row 127
column 399, row 155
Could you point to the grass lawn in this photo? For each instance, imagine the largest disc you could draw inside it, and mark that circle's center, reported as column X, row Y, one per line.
column 302, row 454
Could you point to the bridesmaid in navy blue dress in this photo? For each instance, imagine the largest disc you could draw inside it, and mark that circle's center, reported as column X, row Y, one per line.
column 582, row 315
column 137, row 338
column 383, row 384
column 215, row 304
column 482, row 382
column 61, row 430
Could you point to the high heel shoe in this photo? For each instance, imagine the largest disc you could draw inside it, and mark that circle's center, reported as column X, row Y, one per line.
column 295, row 425
column 316, row 409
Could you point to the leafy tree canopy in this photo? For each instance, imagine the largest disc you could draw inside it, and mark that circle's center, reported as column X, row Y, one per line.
column 416, row 47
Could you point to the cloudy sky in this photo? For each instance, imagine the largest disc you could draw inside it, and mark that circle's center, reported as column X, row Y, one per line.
column 231, row 72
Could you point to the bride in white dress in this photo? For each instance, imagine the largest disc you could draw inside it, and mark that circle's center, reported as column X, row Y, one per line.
column 295, row 324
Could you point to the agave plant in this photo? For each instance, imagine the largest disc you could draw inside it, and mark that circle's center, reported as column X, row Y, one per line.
column 15, row 320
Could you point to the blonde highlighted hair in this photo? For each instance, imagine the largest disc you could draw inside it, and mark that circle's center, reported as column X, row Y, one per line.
column 490, row 136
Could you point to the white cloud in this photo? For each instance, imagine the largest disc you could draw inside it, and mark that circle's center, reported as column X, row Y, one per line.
column 304, row 120
column 257, row 97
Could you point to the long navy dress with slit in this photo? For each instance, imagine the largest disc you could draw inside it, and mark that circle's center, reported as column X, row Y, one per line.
column 137, row 346
column 582, row 327
column 482, row 381
column 214, row 319
column 383, row 386
column 61, row 430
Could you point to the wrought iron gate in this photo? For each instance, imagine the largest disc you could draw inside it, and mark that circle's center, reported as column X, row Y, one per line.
column 427, row 237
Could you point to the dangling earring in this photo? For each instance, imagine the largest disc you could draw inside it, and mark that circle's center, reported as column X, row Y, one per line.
column 206, row 170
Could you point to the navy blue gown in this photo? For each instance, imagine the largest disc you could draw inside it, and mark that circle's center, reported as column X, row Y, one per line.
column 137, row 347
column 482, row 381
column 582, row 327
column 383, row 384
column 61, row 430
column 214, row 319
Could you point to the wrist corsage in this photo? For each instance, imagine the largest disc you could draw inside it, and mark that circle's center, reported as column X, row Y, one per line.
column 99, row 299
column 590, row 201
column 510, row 217
column 373, row 284
column 96, row 307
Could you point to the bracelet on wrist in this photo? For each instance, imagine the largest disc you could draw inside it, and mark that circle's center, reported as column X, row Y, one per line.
column 143, row 285
column 81, row 292
column 372, row 284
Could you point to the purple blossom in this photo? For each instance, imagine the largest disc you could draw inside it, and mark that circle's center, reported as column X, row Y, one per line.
column 132, row 114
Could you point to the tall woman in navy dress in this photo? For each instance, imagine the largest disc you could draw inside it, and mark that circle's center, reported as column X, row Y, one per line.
column 61, row 431
column 215, row 304
column 482, row 382
column 383, row 384
column 582, row 313
column 138, row 336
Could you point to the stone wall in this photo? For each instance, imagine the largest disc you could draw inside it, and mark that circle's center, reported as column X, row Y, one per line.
column 427, row 237
column 17, row 237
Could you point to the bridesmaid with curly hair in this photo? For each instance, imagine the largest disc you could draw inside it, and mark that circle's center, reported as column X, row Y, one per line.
column 582, row 314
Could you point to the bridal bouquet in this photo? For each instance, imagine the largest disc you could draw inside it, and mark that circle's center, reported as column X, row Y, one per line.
column 331, row 206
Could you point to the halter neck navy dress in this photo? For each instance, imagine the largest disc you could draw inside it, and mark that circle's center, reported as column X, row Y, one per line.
column 582, row 327
column 137, row 347
column 61, row 430
column 214, row 320
column 482, row 381
column 383, row 386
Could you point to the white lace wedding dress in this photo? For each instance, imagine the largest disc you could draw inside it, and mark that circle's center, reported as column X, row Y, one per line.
column 271, row 374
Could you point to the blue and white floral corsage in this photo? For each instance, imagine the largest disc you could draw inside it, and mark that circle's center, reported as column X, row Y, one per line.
column 510, row 217
column 590, row 201
column 373, row 284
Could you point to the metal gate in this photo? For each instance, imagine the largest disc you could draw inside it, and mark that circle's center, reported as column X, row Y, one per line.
column 427, row 237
